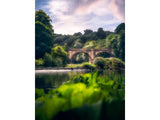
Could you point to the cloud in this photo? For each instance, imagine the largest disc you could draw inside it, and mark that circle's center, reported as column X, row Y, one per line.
column 118, row 8
column 72, row 16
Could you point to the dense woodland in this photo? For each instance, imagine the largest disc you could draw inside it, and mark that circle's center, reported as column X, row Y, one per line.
column 52, row 48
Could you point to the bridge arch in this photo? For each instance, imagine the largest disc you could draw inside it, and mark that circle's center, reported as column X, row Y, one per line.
column 78, row 52
column 92, row 53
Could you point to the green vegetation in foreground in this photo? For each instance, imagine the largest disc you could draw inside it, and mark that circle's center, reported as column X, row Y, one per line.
column 85, row 97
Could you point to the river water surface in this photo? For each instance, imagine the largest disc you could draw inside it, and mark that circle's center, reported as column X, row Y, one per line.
column 51, row 79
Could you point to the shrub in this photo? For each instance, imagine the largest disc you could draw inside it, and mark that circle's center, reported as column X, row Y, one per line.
column 88, row 66
column 39, row 62
column 99, row 62
column 109, row 63
column 47, row 60
column 114, row 63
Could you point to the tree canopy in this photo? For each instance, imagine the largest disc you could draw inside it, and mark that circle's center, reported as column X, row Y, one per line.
column 101, row 34
column 59, row 52
column 120, row 28
column 42, row 17
column 43, row 34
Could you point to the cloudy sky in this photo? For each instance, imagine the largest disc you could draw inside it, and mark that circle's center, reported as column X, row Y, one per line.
column 70, row 16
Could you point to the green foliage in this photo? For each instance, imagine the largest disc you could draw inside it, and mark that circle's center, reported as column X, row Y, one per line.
column 120, row 28
column 109, row 63
column 99, row 62
column 101, row 44
column 58, row 62
column 78, row 44
column 47, row 60
column 99, row 39
column 87, row 65
column 74, row 65
column 116, row 42
column 113, row 110
column 39, row 93
column 59, row 53
column 43, row 34
column 39, row 62
column 53, row 61
column 80, row 58
column 104, row 55
column 101, row 93
column 101, row 34
column 42, row 17
column 66, row 97
column 114, row 63
column 96, row 44
column 90, row 44
column 122, row 45
column 87, row 31
column 78, row 34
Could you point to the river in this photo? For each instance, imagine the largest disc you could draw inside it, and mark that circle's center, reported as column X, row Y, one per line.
column 51, row 79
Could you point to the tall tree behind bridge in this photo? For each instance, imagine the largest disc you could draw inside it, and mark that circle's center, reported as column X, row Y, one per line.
column 43, row 34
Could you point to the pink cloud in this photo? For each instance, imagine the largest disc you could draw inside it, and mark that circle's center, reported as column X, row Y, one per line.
column 118, row 7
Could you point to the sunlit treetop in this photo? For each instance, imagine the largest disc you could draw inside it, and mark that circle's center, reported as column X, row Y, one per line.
column 42, row 17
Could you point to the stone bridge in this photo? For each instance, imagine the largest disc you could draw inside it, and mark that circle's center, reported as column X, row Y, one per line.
column 91, row 53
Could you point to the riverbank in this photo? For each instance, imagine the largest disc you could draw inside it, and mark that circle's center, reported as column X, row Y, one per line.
column 59, row 70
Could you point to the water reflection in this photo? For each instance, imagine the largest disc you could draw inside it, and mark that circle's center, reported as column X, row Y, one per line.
column 50, row 80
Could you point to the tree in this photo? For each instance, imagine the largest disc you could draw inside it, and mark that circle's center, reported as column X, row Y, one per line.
column 78, row 34
column 43, row 34
column 116, row 42
column 119, row 28
column 58, row 52
column 42, row 17
column 47, row 60
column 113, row 43
column 87, row 31
column 101, row 34
column 77, row 44
column 122, row 46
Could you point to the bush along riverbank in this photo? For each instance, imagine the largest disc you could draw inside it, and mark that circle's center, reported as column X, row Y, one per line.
column 99, row 64
column 89, row 96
